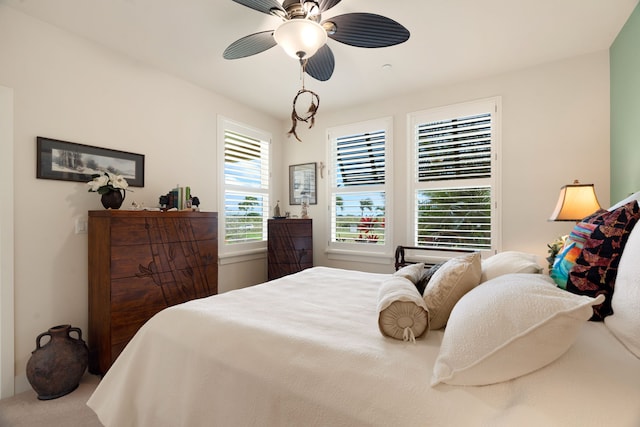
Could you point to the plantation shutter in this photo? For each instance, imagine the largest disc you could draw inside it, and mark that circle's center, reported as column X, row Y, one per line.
column 454, row 180
column 454, row 218
column 359, row 185
column 246, row 181
column 360, row 159
column 459, row 148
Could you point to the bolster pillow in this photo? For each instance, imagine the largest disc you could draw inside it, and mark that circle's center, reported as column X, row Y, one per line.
column 402, row 312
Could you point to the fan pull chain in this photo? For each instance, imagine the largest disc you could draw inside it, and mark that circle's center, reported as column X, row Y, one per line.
column 313, row 108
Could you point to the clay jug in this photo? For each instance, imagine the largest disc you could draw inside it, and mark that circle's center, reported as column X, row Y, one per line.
column 55, row 368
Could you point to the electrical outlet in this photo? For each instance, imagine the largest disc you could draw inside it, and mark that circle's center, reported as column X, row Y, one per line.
column 81, row 226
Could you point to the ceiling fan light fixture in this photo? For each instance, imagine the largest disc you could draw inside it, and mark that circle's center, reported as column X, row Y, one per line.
column 300, row 38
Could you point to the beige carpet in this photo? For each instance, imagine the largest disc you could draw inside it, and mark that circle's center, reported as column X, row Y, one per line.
column 25, row 410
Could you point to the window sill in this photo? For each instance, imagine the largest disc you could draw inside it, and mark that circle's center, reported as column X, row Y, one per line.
column 359, row 256
column 242, row 256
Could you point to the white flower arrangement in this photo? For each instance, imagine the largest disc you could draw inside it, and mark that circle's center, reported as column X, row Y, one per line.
column 106, row 182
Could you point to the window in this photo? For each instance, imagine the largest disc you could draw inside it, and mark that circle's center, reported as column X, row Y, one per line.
column 359, row 190
column 245, row 183
column 454, row 184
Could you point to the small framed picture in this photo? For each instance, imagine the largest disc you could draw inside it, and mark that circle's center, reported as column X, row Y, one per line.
column 68, row 161
column 302, row 183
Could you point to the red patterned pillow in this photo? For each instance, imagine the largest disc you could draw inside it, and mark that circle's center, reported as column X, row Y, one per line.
column 595, row 270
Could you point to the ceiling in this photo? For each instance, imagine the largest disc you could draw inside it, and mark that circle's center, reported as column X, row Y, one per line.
column 451, row 41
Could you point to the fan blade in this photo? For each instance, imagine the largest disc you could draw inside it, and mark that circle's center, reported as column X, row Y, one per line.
column 327, row 4
column 250, row 45
column 366, row 30
column 264, row 6
column 320, row 66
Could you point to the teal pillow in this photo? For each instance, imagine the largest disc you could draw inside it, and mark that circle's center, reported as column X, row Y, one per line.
column 569, row 254
column 563, row 263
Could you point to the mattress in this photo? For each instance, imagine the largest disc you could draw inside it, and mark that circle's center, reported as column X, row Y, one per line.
column 306, row 350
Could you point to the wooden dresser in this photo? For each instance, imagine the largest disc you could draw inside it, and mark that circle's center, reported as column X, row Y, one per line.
column 290, row 246
column 140, row 263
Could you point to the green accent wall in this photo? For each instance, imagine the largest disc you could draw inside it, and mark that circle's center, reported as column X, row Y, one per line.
column 625, row 109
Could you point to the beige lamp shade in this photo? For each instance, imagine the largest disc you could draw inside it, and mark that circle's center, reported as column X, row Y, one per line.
column 576, row 202
column 300, row 38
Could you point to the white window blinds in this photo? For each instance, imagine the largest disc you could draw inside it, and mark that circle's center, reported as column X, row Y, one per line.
column 454, row 218
column 360, row 180
column 360, row 159
column 246, row 186
column 458, row 148
column 454, row 185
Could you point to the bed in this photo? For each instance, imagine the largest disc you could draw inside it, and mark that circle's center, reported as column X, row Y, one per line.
column 307, row 349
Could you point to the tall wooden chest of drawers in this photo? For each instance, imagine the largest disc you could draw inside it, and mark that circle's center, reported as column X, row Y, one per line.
column 290, row 247
column 141, row 262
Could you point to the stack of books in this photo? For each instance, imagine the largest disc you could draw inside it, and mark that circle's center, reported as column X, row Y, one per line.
column 178, row 198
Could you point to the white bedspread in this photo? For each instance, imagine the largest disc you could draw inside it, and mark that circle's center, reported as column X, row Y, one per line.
column 305, row 350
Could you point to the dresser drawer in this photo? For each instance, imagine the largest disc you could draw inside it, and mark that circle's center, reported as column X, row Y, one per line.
column 290, row 247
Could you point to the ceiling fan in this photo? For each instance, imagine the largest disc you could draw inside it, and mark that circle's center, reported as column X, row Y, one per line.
column 303, row 34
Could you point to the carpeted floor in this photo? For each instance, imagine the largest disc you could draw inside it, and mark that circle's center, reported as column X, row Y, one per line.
column 25, row 410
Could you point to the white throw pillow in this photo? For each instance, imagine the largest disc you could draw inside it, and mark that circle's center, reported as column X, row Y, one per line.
column 448, row 284
column 507, row 327
column 631, row 198
column 509, row 262
column 412, row 272
column 624, row 323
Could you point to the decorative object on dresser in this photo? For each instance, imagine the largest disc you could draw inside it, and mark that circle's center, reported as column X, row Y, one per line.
column 179, row 198
column 111, row 187
column 112, row 199
column 141, row 262
column 290, row 246
column 276, row 211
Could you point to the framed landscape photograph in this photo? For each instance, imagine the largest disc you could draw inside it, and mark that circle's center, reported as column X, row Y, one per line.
column 302, row 182
column 68, row 161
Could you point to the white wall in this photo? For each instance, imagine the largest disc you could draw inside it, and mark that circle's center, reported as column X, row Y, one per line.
column 6, row 243
column 555, row 128
column 70, row 89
